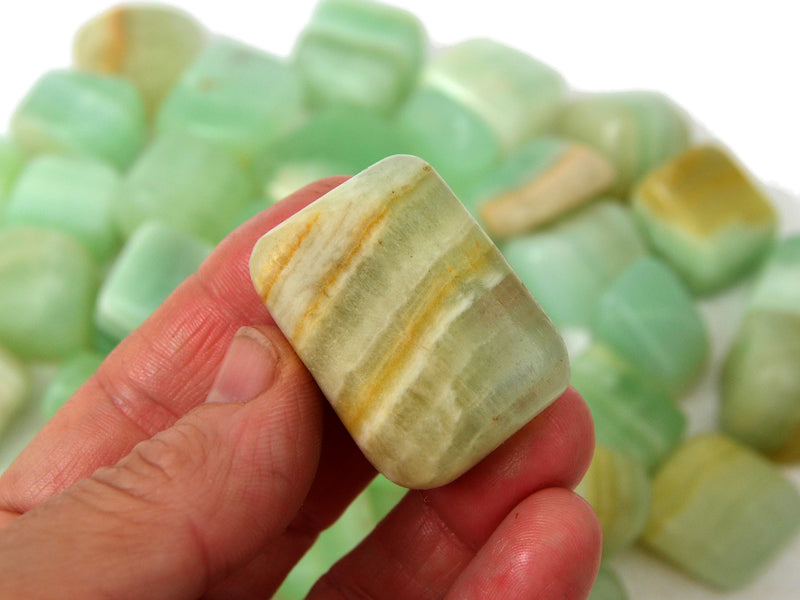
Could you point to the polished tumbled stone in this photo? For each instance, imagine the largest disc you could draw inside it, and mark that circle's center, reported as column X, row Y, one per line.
column 71, row 375
column 78, row 113
column 778, row 285
column 427, row 345
column 518, row 96
column 11, row 163
column 637, row 130
column 47, row 288
column 630, row 413
column 149, row 44
column 721, row 512
column 705, row 216
column 15, row 387
column 190, row 183
column 153, row 262
column 75, row 195
column 607, row 585
column 648, row 317
column 569, row 264
column 235, row 95
column 536, row 184
column 359, row 53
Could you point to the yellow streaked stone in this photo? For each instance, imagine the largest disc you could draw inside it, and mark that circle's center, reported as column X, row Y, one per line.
column 428, row 346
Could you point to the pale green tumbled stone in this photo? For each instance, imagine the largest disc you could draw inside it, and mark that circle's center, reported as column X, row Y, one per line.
column 537, row 183
column 778, row 285
column 630, row 413
column 71, row 375
column 760, row 384
column 47, row 288
column 453, row 138
column 607, row 586
column 78, row 113
column 149, row 44
column 153, row 262
column 11, row 163
column 618, row 489
column 518, row 96
column 359, row 53
column 637, row 130
column 569, row 264
column 648, row 317
column 706, row 217
column 720, row 511
column 428, row 346
column 190, row 183
column 15, row 387
column 75, row 195
column 235, row 95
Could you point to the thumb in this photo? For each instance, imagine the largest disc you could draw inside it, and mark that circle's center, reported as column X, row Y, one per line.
column 191, row 504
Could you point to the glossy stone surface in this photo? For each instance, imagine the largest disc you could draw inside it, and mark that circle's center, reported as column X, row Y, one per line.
column 569, row 264
column 140, row 279
column 189, row 183
column 71, row 375
column 720, row 511
column 15, row 387
column 147, row 43
column 429, row 348
column 778, row 285
column 518, row 96
column 544, row 179
column 760, row 384
column 11, row 163
column 235, row 95
column 359, row 53
column 647, row 316
column 705, row 216
column 76, row 113
column 637, row 130
column 75, row 195
column 618, row 489
column 630, row 414
column 47, row 287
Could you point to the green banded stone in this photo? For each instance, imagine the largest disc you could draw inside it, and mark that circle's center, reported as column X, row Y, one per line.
column 71, row 375
column 47, row 288
column 568, row 265
column 608, row 585
column 630, row 414
column 190, row 183
column 15, row 387
column 11, row 164
column 234, row 95
column 705, row 216
column 149, row 44
column 75, row 195
column 637, row 130
column 153, row 262
column 78, row 113
column 359, row 53
column 648, row 317
column 720, row 511
column 516, row 95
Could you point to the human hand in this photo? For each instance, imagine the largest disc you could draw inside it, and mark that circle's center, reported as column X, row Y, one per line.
column 138, row 488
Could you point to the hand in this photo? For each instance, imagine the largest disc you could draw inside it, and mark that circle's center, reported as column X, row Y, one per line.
column 138, row 488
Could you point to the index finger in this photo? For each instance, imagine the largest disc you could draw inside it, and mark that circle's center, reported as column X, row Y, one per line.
column 158, row 373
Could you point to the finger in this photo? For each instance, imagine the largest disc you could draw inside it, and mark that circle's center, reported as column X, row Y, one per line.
column 155, row 375
column 191, row 504
column 431, row 536
column 547, row 547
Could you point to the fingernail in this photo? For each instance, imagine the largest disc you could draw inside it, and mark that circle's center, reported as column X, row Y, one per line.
column 248, row 369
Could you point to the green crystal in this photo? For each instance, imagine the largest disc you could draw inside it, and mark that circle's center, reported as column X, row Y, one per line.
column 154, row 261
column 360, row 53
column 191, row 184
column 518, row 96
column 234, row 95
column 568, row 265
column 607, row 586
column 630, row 414
column 71, row 375
column 720, row 511
column 11, row 164
column 47, row 288
column 648, row 317
column 75, row 195
column 778, row 286
column 77, row 113
column 637, row 130
column 15, row 387
column 149, row 44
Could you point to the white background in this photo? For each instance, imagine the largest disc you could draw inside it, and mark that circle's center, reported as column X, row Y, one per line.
column 734, row 66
